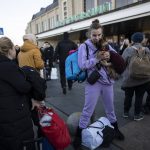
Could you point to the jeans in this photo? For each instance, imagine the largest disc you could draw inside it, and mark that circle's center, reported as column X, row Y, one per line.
column 63, row 76
column 139, row 93
column 147, row 88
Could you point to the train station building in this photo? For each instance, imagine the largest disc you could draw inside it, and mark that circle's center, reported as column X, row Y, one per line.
column 120, row 19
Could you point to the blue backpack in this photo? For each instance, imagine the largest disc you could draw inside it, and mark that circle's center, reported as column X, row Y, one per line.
column 72, row 70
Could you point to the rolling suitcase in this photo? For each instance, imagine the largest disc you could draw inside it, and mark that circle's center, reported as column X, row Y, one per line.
column 37, row 144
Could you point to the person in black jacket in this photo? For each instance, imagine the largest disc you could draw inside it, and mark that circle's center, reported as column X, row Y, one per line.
column 61, row 52
column 48, row 54
column 15, row 120
column 17, row 48
column 146, row 109
column 36, row 95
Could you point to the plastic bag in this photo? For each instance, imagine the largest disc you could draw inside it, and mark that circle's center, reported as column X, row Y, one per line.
column 57, row 132
column 54, row 73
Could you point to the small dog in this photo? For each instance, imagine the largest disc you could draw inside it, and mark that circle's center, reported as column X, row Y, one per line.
column 107, row 64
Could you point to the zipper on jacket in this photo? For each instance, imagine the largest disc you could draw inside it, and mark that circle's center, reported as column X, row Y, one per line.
column 71, row 67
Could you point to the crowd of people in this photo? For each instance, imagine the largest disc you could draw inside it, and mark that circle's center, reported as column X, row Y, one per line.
column 23, row 90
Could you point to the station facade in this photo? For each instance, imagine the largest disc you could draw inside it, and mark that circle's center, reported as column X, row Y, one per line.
column 120, row 19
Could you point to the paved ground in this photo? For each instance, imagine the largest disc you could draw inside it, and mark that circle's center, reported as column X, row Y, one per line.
column 137, row 133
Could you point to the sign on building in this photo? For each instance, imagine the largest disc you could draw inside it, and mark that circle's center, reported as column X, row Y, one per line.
column 1, row 31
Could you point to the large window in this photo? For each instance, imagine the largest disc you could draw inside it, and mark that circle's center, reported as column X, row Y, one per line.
column 101, row 2
column 65, row 10
column 57, row 18
column 42, row 26
column 121, row 3
column 88, row 4
column 49, row 23
column 37, row 28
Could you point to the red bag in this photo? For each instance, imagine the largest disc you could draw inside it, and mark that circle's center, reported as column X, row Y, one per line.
column 57, row 133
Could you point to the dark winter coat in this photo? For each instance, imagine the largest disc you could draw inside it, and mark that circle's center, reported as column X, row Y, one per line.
column 63, row 48
column 48, row 54
column 15, row 120
column 38, row 90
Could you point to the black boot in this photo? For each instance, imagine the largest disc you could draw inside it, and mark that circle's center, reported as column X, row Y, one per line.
column 77, row 139
column 64, row 90
column 118, row 134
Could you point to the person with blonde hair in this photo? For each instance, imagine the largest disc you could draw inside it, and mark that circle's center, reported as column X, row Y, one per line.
column 15, row 120
column 30, row 54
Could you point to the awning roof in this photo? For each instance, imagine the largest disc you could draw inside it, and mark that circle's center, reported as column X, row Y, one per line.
column 129, row 13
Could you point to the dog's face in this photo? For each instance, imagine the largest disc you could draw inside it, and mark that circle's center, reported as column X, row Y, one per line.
column 100, row 55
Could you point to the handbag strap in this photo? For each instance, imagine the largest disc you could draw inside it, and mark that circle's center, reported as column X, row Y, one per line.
column 98, row 127
column 87, row 51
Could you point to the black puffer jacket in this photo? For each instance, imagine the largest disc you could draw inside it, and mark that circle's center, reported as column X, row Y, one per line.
column 63, row 48
column 48, row 54
column 38, row 90
column 15, row 119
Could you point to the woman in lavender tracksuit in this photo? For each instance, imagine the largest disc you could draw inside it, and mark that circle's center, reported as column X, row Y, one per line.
column 103, row 87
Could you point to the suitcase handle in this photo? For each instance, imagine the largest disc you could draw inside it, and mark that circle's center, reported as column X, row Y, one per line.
column 35, row 141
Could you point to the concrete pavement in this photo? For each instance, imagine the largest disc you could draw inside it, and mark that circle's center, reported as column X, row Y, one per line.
column 137, row 134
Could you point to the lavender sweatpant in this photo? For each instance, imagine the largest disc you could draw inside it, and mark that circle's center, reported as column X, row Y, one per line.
column 92, row 93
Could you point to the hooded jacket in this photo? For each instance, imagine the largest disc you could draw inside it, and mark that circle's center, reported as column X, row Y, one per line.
column 127, row 80
column 30, row 55
column 63, row 48
column 15, row 120
column 90, row 64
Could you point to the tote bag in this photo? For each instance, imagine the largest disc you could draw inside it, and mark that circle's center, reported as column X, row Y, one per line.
column 98, row 133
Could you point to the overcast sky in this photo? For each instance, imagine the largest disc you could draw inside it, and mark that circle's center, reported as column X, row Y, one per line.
column 15, row 14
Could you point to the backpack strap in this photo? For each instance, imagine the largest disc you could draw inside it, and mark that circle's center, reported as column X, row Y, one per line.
column 139, row 52
column 87, row 50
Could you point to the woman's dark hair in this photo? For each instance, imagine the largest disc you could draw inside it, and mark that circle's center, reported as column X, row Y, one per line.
column 95, row 25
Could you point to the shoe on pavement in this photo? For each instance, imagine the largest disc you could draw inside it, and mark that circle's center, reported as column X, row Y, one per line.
column 64, row 91
column 78, row 139
column 70, row 88
column 138, row 117
column 126, row 115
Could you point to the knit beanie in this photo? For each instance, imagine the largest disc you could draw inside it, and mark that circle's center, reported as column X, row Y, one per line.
column 137, row 37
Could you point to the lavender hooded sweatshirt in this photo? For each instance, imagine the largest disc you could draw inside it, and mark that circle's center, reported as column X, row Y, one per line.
column 89, row 64
column 102, row 87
